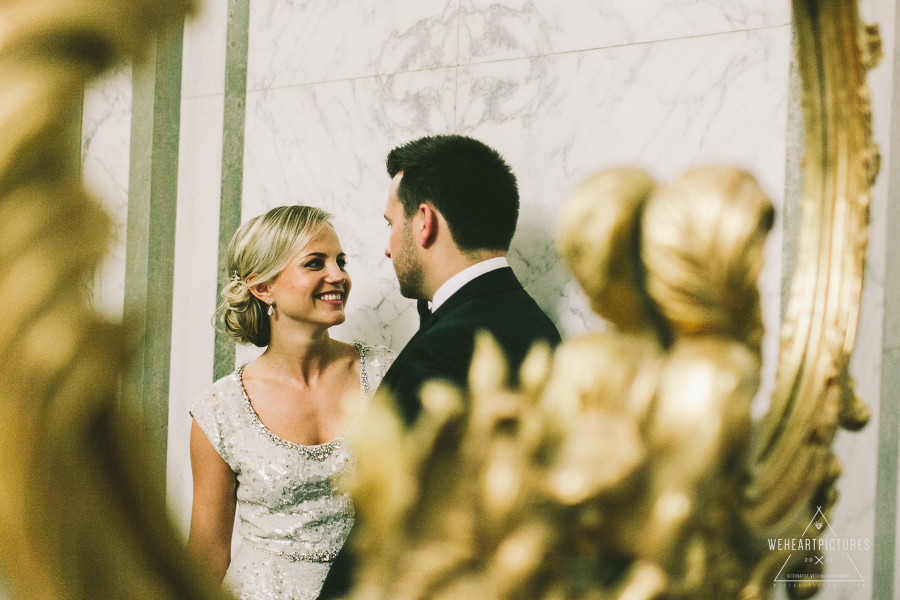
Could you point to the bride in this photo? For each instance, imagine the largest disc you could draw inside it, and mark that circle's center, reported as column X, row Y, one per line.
column 267, row 440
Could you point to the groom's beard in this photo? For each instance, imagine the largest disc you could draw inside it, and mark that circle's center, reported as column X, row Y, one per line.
column 410, row 272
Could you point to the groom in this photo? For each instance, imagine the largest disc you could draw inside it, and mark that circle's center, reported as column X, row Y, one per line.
column 452, row 207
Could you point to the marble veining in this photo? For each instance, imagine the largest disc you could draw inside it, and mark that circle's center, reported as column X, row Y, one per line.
column 295, row 42
column 498, row 30
column 105, row 152
column 557, row 119
column 325, row 145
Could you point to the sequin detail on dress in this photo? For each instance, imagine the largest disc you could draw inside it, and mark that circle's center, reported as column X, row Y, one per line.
column 293, row 521
column 317, row 452
column 317, row 556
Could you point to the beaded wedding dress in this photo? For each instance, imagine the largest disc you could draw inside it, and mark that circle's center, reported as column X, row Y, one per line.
column 293, row 521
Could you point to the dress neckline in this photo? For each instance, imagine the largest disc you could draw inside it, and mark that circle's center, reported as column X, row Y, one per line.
column 316, row 451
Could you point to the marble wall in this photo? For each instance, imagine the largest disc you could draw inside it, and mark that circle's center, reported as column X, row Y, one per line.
column 560, row 92
column 105, row 140
column 560, row 89
column 196, row 238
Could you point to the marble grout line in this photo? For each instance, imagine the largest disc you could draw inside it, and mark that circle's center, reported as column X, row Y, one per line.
column 343, row 79
column 884, row 570
column 459, row 65
column 202, row 96
column 629, row 44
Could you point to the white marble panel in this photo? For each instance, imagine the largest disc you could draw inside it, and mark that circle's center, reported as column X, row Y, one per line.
column 664, row 106
column 503, row 29
column 105, row 148
column 196, row 239
column 203, row 64
column 325, row 145
column 296, row 41
column 194, row 291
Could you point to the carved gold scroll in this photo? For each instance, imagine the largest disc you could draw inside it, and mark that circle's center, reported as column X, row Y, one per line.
column 793, row 468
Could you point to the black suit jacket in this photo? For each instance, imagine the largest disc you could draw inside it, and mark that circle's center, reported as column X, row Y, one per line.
column 442, row 348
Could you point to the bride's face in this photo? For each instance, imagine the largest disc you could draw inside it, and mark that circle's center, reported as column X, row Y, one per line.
column 315, row 285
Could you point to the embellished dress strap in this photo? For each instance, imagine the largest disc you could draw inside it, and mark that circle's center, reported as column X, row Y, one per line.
column 365, row 391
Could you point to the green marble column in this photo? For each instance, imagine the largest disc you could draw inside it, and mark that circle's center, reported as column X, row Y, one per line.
column 150, row 240
column 232, row 159
column 885, row 584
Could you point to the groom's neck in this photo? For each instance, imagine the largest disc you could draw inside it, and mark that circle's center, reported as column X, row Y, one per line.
column 441, row 268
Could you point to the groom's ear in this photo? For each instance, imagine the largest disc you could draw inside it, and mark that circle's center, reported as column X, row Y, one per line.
column 426, row 225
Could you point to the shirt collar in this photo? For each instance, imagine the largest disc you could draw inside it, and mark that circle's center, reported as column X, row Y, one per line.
column 455, row 283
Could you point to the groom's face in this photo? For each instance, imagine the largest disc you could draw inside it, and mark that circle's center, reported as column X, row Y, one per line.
column 401, row 248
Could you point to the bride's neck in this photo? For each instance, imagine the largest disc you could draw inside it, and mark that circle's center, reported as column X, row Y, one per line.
column 297, row 354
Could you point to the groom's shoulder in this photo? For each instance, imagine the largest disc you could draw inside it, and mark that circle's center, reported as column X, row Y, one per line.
column 508, row 312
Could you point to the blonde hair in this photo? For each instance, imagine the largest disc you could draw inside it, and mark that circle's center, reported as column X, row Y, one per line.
column 259, row 251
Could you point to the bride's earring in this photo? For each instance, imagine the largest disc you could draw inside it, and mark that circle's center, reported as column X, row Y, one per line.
column 271, row 310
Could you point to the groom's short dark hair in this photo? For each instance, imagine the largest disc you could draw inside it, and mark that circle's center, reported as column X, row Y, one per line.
column 468, row 182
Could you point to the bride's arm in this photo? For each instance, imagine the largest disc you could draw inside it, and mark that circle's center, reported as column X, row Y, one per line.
column 214, row 504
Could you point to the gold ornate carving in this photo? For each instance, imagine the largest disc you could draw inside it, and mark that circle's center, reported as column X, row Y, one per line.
column 77, row 519
column 792, row 467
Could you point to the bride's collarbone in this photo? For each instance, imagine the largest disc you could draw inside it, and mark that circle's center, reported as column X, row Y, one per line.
column 299, row 412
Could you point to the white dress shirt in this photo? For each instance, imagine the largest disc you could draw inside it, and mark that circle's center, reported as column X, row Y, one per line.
column 453, row 285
